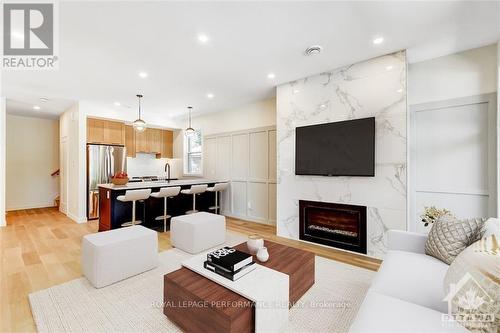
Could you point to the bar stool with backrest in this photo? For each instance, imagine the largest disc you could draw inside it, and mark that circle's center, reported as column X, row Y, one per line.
column 134, row 196
column 219, row 187
column 194, row 190
column 165, row 193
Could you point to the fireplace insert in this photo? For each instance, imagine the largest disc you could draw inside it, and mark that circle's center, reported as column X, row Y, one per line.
column 333, row 224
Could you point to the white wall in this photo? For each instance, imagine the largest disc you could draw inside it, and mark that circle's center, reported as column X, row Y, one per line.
column 468, row 73
column 2, row 157
column 32, row 154
column 73, row 136
column 454, row 167
column 253, row 115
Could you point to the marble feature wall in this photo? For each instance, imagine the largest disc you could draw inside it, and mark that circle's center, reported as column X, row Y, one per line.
column 373, row 88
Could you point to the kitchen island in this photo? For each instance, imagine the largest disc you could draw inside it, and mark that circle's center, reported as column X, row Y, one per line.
column 112, row 213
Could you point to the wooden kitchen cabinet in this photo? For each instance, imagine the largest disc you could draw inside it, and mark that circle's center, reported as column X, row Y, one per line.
column 167, row 149
column 142, row 142
column 105, row 132
column 95, row 130
column 114, row 133
column 130, row 141
column 155, row 140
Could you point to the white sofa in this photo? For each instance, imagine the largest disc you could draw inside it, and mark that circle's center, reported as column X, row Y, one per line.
column 407, row 293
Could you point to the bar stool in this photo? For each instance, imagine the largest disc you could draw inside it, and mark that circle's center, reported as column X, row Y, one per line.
column 194, row 190
column 165, row 193
column 134, row 196
column 219, row 187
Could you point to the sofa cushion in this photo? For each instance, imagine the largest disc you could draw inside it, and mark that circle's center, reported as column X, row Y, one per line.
column 449, row 236
column 412, row 277
column 472, row 283
column 382, row 313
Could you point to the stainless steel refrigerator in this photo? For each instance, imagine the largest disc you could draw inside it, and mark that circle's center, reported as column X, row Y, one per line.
column 102, row 163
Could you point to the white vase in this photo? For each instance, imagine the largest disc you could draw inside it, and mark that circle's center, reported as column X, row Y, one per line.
column 262, row 254
column 254, row 243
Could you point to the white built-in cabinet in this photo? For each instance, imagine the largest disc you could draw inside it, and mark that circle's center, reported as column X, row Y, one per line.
column 248, row 160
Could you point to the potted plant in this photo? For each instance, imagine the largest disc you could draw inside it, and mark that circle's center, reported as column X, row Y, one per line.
column 432, row 214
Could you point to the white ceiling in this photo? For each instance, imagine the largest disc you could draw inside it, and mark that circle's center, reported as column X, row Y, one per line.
column 103, row 46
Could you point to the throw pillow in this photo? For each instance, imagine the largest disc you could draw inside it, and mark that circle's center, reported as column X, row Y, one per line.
column 472, row 286
column 449, row 236
column 491, row 227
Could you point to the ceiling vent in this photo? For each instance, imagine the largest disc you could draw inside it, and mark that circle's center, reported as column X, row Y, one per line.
column 313, row 50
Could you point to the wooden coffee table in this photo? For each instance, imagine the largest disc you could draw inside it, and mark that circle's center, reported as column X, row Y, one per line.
column 197, row 304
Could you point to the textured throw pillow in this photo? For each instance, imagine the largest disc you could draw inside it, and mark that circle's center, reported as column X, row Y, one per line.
column 472, row 286
column 491, row 227
column 449, row 236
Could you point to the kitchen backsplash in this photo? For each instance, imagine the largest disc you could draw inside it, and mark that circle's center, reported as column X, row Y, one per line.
column 149, row 165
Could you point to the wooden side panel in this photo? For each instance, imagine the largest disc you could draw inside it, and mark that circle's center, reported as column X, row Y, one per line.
column 141, row 142
column 114, row 133
column 130, row 141
column 104, row 209
column 155, row 139
column 167, row 140
column 95, row 130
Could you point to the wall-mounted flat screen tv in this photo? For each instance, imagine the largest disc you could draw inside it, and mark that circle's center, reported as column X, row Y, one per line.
column 344, row 148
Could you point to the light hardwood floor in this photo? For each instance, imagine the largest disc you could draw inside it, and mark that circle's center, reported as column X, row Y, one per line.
column 40, row 248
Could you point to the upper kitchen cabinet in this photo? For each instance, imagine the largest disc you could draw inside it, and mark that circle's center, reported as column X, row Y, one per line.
column 130, row 141
column 167, row 148
column 105, row 132
column 155, row 140
column 95, row 130
column 142, row 142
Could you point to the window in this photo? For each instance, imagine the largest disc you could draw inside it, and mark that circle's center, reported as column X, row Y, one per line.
column 192, row 154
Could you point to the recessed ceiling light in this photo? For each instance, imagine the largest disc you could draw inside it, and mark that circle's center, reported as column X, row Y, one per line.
column 143, row 75
column 399, row 90
column 36, row 107
column 210, row 95
column 271, row 76
column 313, row 50
column 388, row 68
column 117, row 103
column 296, row 91
column 202, row 38
column 322, row 106
column 378, row 40
column 44, row 100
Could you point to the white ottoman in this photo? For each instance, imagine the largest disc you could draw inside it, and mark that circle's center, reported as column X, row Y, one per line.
column 194, row 233
column 111, row 256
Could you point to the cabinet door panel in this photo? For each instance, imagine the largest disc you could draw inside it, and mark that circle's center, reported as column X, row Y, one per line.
column 141, row 142
column 167, row 144
column 114, row 133
column 95, row 130
column 258, row 155
column 130, row 141
column 155, row 138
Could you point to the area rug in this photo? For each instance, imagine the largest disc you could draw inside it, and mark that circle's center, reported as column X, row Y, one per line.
column 135, row 304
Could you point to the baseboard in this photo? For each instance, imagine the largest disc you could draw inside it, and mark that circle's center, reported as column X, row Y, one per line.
column 76, row 218
column 248, row 219
column 35, row 206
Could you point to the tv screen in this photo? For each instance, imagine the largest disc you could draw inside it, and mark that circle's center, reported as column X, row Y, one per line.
column 344, row 148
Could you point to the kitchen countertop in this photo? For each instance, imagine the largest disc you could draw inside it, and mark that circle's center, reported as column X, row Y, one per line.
column 155, row 184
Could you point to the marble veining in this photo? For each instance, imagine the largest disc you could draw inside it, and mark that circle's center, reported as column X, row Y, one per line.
column 373, row 88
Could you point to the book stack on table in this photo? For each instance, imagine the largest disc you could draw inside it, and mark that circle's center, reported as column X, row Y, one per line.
column 229, row 263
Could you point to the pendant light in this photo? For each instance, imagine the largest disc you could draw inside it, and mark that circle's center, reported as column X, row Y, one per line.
column 139, row 125
column 190, row 130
